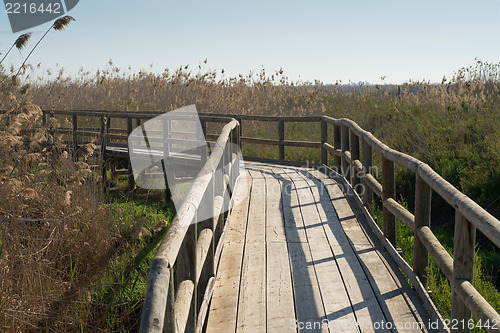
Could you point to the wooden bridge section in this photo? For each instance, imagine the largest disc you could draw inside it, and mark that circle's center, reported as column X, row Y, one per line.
column 297, row 248
column 299, row 254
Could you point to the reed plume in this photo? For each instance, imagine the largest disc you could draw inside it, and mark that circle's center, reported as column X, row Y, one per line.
column 20, row 43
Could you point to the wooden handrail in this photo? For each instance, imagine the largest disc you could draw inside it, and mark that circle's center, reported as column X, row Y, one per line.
column 183, row 239
column 459, row 269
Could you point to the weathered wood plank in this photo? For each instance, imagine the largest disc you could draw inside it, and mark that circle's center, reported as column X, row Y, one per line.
column 338, row 307
column 224, row 305
column 275, row 229
column 387, row 291
column 252, row 301
column 294, row 226
column 309, row 307
column 308, row 304
column 361, row 295
column 237, row 224
column 280, row 304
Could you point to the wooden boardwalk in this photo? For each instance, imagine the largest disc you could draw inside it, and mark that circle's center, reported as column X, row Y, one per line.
column 298, row 256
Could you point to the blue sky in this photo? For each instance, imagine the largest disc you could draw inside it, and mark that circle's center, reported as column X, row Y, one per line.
column 325, row 40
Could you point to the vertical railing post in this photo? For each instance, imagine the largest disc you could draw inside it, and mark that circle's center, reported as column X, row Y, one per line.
column 131, row 182
column 324, row 139
column 186, row 270
column 169, row 320
column 102, row 157
column 388, row 191
column 206, row 270
column 75, row 135
column 423, row 195
column 345, row 147
column 166, row 154
column 463, row 268
column 337, row 143
column 354, row 147
column 281, row 138
column 204, row 144
column 367, row 166
column 240, row 132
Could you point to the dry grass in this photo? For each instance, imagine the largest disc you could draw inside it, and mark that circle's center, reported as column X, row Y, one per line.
column 55, row 233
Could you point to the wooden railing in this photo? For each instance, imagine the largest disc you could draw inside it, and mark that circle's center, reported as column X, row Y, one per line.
column 469, row 216
column 180, row 303
column 352, row 149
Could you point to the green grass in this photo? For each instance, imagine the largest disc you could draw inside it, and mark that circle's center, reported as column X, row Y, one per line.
column 120, row 295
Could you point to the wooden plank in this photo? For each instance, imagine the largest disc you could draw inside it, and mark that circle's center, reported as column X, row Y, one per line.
column 309, row 306
column 256, row 227
column 252, row 301
column 294, row 226
column 280, row 304
column 388, row 293
column 237, row 224
column 361, row 295
column 275, row 229
column 336, row 301
column 224, row 305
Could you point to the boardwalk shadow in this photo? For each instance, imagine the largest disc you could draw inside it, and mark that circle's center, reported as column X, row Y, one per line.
column 305, row 283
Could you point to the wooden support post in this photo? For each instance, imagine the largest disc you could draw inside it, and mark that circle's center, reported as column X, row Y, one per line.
column 102, row 157
column 75, row 136
column 169, row 320
column 281, row 138
column 203, row 143
column 345, row 147
column 324, row 139
column 463, row 267
column 186, row 270
column 131, row 182
column 137, row 122
column 423, row 195
column 108, row 124
column 354, row 144
column 367, row 165
column 166, row 153
column 337, row 143
column 208, row 269
column 240, row 132
column 113, row 168
column 388, row 191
